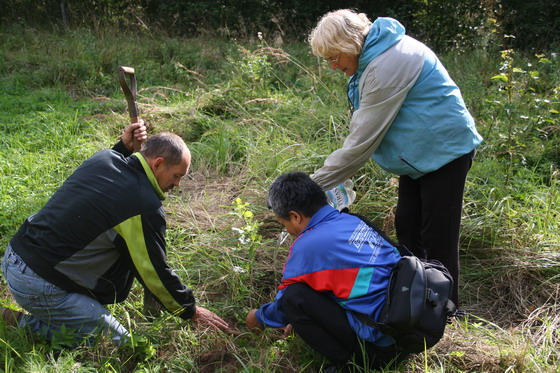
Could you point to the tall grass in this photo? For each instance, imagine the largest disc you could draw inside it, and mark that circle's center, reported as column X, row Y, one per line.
column 249, row 113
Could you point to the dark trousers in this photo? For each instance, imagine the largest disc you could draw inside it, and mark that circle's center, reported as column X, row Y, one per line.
column 428, row 216
column 323, row 325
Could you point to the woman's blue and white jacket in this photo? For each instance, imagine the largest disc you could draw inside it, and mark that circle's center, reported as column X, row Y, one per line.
column 409, row 115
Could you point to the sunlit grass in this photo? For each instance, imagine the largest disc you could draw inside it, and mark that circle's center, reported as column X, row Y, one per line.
column 249, row 113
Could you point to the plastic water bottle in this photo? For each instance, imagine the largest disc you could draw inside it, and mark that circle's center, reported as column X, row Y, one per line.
column 342, row 195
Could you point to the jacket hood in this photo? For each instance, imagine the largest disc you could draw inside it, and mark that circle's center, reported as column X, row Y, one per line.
column 383, row 34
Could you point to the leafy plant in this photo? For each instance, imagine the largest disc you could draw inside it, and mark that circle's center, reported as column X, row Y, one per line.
column 249, row 237
column 518, row 99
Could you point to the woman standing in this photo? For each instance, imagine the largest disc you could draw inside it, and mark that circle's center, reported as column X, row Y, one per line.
column 409, row 117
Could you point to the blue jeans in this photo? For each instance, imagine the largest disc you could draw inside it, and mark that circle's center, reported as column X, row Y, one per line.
column 50, row 307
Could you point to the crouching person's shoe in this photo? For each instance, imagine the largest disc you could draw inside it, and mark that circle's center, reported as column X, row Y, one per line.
column 11, row 317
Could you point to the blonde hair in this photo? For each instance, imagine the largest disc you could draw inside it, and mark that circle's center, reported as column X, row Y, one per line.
column 339, row 31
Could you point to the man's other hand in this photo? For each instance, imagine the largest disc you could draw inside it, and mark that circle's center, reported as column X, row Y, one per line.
column 204, row 317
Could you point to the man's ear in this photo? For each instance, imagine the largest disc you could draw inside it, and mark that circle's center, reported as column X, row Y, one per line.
column 296, row 216
column 158, row 162
column 298, row 221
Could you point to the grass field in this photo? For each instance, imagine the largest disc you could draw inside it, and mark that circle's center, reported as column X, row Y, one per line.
column 250, row 112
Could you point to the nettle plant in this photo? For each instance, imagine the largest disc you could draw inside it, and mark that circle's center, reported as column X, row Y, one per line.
column 254, row 68
column 527, row 106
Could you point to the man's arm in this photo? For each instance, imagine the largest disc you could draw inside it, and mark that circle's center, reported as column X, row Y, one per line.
column 150, row 262
column 144, row 236
column 268, row 315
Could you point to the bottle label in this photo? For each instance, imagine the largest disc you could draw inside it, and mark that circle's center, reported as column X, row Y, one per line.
column 341, row 196
column 338, row 197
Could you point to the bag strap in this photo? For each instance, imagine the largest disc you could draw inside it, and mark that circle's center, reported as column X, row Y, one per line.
column 365, row 319
column 403, row 250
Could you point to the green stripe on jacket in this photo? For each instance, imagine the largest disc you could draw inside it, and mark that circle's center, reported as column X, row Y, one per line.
column 132, row 232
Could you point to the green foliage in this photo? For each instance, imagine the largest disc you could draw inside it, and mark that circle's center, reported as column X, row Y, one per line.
column 44, row 138
column 443, row 24
column 249, row 237
column 450, row 24
column 534, row 23
column 63, row 338
column 250, row 112
column 527, row 119
column 139, row 348
column 253, row 69
column 85, row 61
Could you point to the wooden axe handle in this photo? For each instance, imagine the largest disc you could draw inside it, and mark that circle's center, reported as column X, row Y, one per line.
column 129, row 91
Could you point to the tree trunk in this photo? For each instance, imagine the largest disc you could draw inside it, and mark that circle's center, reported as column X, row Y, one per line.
column 64, row 13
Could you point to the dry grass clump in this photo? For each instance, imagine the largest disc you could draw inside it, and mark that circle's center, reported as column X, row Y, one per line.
column 543, row 325
column 470, row 346
column 474, row 345
column 508, row 285
column 462, row 349
column 542, row 329
column 203, row 201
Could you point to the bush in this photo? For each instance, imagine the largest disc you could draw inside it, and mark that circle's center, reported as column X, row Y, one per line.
column 440, row 23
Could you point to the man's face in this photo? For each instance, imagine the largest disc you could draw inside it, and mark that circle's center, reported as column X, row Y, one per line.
column 295, row 224
column 168, row 176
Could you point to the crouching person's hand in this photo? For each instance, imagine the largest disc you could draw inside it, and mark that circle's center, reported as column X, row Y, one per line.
column 252, row 322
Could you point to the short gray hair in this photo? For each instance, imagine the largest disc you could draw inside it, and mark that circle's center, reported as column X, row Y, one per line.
column 339, row 31
column 166, row 145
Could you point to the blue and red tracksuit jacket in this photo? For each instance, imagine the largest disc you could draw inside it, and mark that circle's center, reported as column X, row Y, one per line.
column 339, row 254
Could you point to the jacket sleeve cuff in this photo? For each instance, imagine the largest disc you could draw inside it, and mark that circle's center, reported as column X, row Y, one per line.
column 188, row 312
column 120, row 148
column 270, row 316
column 259, row 317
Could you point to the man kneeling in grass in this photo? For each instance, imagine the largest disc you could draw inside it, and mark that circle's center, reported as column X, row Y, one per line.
column 104, row 227
column 337, row 267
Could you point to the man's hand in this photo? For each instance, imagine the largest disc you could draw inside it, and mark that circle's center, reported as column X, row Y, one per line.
column 134, row 135
column 252, row 322
column 204, row 317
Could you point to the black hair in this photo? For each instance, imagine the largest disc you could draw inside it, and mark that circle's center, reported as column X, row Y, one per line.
column 166, row 145
column 295, row 191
